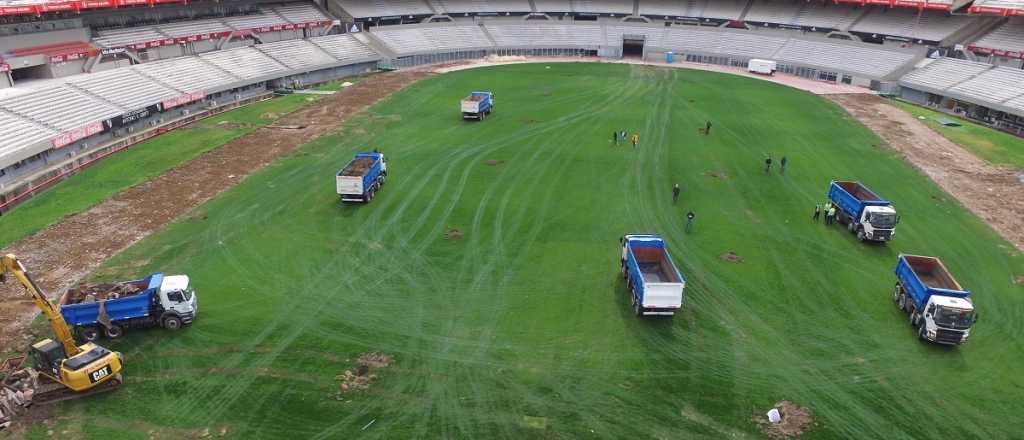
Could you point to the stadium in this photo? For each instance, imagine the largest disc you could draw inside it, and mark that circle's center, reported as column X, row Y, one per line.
column 470, row 218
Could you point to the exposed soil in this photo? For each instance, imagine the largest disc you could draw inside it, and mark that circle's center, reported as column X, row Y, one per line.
column 101, row 292
column 1019, row 280
column 731, row 257
column 232, row 125
column 453, row 234
column 493, row 162
column 358, row 167
column 795, row 421
column 994, row 193
column 360, row 378
column 717, row 174
column 61, row 255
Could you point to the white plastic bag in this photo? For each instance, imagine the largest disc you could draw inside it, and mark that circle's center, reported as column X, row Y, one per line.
column 774, row 416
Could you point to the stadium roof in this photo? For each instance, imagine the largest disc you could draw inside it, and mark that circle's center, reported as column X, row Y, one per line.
column 1002, row 7
column 37, row 7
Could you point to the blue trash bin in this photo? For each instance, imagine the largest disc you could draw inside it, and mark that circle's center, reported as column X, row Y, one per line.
column 668, row 57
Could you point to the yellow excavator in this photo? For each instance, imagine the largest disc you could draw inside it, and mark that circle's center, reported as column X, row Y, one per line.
column 73, row 370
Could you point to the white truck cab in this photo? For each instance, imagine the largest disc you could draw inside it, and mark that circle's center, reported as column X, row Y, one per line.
column 178, row 297
column 877, row 223
column 948, row 319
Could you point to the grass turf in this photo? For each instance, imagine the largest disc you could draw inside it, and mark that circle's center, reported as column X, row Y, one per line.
column 139, row 164
column 992, row 145
column 522, row 328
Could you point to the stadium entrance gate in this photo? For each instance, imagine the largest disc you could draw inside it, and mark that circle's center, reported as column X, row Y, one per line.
column 633, row 46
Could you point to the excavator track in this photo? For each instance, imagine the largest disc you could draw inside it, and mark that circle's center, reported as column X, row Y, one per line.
column 53, row 392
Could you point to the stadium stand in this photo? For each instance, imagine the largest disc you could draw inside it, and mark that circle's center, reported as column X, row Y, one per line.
column 726, row 9
column 1008, row 37
column 994, row 95
column 602, row 6
column 1007, row 7
column 297, row 54
column 18, row 133
column 345, row 47
column 477, row 6
column 385, row 8
column 826, row 15
column 942, row 74
column 995, row 85
column 848, row 58
column 300, row 13
column 187, row 74
column 124, row 88
column 552, row 5
column 773, row 11
column 245, row 62
column 60, row 108
column 669, row 8
column 929, row 26
column 411, row 40
column 541, row 35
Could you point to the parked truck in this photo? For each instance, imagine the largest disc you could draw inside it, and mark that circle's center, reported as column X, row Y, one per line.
column 362, row 177
column 862, row 211
column 477, row 105
column 110, row 309
column 939, row 308
column 655, row 284
column 763, row 67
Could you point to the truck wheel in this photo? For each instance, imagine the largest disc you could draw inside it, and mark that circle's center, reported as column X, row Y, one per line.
column 896, row 293
column 902, row 301
column 850, row 226
column 921, row 332
column 861, row 235
column 89, row 333
column 636, row 309
column 913, row 319
column 622, row 269
column 114, row 331
column 172, row 323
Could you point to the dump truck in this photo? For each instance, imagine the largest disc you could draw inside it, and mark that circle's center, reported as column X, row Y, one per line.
column 477, row 105
column 169, row 302
column 655, row 284
column 362, row 177
column 939, row 308
column 862, row 211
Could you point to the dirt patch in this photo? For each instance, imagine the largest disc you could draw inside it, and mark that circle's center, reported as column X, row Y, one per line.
column 731, row 257
column 529, row 120
column 1019, row 280
column 231, row 125
column 453, row 234
column 64, row 253
column 991, row 192
column 493, row 162
column 362, row 376
column 717, row 174
column 795, row 421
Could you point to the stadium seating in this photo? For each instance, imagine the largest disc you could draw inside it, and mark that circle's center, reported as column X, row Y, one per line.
column 412, row 40
column 844, row 57
column 127, row 36
column 344, row 47
column 187, row 74
column 123, row 87
column 931, row 25
column 773, row 11
column 297, row 54
column 457, row 6
column 546, row 35
column 726, row 9
column 827, row 15
column 299, row 13
column 244, row 62
column 385, row 8
column 671, row 8
column 18, row 132
column 602, row 6
column 60, row 107
column 1007, row 37
column 1000, row 4
column 552, row 5
column 995, row 85
column 942, row 74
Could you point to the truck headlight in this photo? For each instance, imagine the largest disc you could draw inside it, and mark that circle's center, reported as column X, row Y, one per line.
column 931, row 334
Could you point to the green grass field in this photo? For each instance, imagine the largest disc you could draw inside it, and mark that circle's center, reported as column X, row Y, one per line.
column 992, row 145
column 522, row 328
column 139, row 164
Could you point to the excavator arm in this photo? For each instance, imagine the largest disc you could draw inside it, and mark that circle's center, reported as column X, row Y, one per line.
column 11, row 265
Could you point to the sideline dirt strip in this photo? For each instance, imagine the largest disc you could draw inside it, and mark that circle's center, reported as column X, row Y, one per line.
column 68, row 251
column 994, row 193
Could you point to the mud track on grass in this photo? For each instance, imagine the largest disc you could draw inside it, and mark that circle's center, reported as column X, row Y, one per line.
column 994, row 193
column 63, row 254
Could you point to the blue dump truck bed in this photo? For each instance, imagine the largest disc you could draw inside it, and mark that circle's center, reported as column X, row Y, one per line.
column 923, row 277
column 655, row 283
column 853, row 197
column 135, row 305
column 360, row 177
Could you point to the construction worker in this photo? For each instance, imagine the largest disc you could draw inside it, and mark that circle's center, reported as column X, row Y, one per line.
column 623, row 134
column 675, row 194
column 768, row 164
column 635, row 139
column 782, row 165
column 615, row 138
column 831, row 215
column 689, row 220
column 707, row 128
column 817, row 212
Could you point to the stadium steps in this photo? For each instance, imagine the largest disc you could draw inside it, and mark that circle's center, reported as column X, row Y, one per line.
column 435, row 7
column 85, row 92
column 219, row 68
column 746, row 9
column 151, row 78
column 636, row 8
column 487, row 33
column 368, row 39
column 864, row 13
column 29, row 119
column 533, row 6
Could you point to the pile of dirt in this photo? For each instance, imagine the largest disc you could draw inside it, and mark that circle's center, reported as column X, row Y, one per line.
column 102, row 292
column 795, row 421
column 1019, row 280
column 453, row 234
column 717, row 174
column 731, row 257
column 67, row 251
column 17, row 387
column 358, row 167
column 231, row 125
column 493, row 162
column 362, row 376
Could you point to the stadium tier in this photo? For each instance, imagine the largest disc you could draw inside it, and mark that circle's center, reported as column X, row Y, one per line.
column 124, row 88
column 61, row 108
column 479, row 6
column 386, row 8
column 1001, row 7
column 546, row 35
column 996, row 88
column 345, row 48
column 297, row 54
column 442, row 37
column 1005, row 40
column 927, row 25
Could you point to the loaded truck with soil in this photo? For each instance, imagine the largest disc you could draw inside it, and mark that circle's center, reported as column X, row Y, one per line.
column 163, row 301
column 862, row 211
column 939, row 308
column 655, row 284
column 362, row 177
column 477, row 105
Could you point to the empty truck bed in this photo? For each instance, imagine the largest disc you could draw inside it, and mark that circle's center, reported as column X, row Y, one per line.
column 932, row 273
column 357, row 167
column 860, row 192
column 654, row 266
